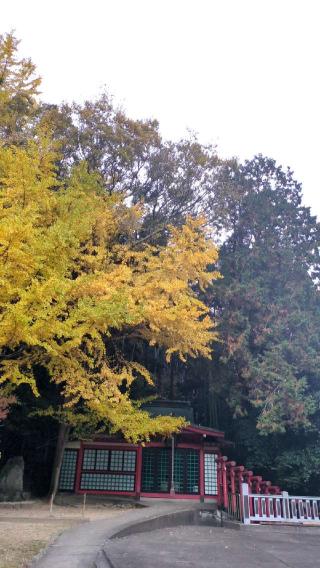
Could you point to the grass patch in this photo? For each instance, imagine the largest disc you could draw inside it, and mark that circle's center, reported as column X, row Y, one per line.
column 18, row 557
column 27, row 529
column 21, row 541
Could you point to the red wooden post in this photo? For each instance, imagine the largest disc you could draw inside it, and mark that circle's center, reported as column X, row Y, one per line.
column 256, row 483
column 138, row 471
column 247, row 474
column 265, row 485
column 224, row 481
column 239, row 469
column 239, row 481
column 274, row 490
column 201, row 473
column 233, row 487
column 231, row 478
column 219, row 479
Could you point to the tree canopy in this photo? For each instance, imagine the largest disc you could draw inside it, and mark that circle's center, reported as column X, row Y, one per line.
column 109, row 277
column 18, row 89
column 72, row 278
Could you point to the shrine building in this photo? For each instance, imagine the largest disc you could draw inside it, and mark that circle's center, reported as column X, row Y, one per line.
column 181, row 467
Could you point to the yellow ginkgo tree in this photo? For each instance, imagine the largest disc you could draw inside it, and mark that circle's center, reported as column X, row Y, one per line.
column 73, row 274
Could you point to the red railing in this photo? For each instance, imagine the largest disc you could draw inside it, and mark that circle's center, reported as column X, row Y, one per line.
column 231, row 476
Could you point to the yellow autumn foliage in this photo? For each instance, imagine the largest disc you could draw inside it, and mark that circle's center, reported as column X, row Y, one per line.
column 68, row 284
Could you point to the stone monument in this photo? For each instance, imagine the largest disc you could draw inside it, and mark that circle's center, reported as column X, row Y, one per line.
column 11, row 480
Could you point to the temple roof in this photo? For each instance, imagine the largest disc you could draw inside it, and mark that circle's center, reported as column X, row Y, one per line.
column 203, row 430
column 165, row 407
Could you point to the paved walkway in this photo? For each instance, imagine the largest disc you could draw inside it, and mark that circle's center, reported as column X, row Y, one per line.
column 79, row 546
column 181, row 546
column 204, row 547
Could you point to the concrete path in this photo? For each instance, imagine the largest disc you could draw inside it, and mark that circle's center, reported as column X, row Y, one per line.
column 91, row 545
column 79, row 546
column 204, row 547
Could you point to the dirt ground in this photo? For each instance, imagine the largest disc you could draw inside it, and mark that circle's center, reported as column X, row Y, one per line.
column 28, row 528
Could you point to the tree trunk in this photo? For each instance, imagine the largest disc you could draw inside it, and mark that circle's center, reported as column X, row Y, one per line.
column 63, row 436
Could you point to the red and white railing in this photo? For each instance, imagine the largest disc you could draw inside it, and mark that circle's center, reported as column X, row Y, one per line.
column 230, row 479
column 283, row 508
column 251, row 499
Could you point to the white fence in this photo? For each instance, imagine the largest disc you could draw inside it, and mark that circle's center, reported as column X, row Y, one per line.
column 282, row 508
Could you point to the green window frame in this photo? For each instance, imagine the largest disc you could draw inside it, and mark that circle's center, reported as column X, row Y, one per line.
column 68, row 470
column 210, row 474
column 156, row 470
column 108, row 470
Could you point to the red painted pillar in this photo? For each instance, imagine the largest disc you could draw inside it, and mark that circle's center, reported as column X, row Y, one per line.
column 247, row 474
column 219, row 479
column 233, row 487
column 239, row 478
column 138, row 471
column 224, row 481
column 201, row 474
column 239, row 481
column 256, row 483
column 231, row 482
column 265, row 486
column 79, row 467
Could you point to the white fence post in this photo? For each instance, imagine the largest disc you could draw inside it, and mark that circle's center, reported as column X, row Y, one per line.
column 257, row 507
column 245, row 504
column 285, row 505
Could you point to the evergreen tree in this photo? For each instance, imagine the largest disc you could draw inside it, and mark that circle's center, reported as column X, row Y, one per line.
column 268, row 300
column 19, row 86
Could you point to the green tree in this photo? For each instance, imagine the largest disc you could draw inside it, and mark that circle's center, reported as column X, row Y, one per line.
column 269, row 298
column 172, row 180
column 19, row 86
column 268, row 365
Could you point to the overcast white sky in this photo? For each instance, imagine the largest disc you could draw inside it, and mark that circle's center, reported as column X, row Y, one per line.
column 244, row 74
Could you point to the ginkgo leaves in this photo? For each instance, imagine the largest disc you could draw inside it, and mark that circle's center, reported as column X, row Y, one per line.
column 73, row 273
